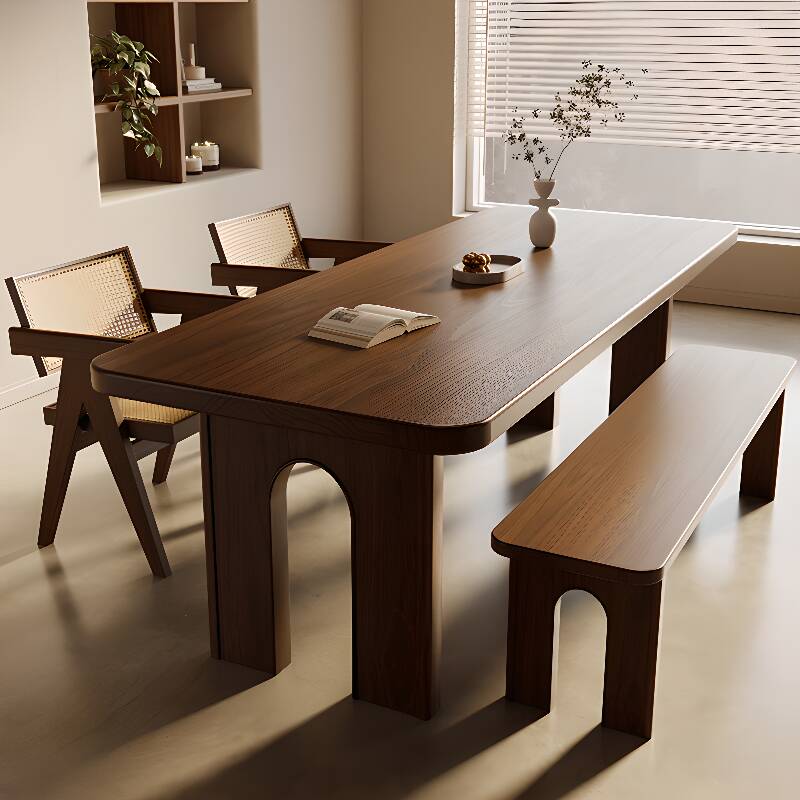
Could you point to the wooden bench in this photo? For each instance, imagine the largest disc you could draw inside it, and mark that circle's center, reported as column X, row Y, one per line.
column 615, row 514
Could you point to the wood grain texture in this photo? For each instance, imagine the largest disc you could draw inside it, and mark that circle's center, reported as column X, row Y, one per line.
column 167, row 128
column 638, row 354
column 263, row 278
column 626, row 500
column 760, row 460
column 498, row 352
column 340, row 250
column 156, row 25
column 395, row 503
column 633, row 618
column 65, row 442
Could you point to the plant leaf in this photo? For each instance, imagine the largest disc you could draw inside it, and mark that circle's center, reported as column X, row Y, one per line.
column 149, row 149
column 152, row 88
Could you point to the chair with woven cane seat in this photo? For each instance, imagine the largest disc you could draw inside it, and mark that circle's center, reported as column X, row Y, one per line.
column 262, row 251
column 69, row 315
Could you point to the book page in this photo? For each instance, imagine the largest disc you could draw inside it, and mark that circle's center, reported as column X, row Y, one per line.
column 355, row 324
column 412, row 319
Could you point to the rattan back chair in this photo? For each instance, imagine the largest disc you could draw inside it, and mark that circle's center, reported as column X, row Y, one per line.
column 262, row 251
column 68, row 315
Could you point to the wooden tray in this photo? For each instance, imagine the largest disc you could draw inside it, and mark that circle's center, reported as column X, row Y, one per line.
column 503, row 268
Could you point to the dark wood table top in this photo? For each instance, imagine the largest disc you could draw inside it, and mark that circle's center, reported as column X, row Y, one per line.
column 498, row 352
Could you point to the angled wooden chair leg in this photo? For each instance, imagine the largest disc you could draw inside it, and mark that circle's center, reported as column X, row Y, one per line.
column 533, row 610
column 63, row 446
column 633, row 616
column 163, row 463
column 760, row 460
column 122, row 461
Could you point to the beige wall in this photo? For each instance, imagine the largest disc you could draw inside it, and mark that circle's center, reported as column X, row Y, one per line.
column 309, row 90
column 755, row 273
column 413, row 176
column 408, row 116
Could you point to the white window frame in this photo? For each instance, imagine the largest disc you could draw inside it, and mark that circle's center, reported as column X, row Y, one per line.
column 475, row 159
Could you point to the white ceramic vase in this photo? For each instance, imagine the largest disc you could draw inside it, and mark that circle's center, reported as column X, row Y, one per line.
column 542, row 226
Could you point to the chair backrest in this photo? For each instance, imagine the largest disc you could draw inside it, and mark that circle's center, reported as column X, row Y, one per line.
column 267, row 239
column 99, row 295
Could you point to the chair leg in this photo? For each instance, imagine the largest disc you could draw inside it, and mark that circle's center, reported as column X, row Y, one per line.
column 163, row 463
column 63, row 446
column 633, row 616
column 760, row 459
column 533, row 610
column 125, row 469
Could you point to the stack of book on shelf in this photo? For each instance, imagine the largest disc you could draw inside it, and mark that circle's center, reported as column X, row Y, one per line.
column 200, row 85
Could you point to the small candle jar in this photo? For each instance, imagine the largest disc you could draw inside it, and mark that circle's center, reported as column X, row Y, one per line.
column 209, row 152
column 194, row 165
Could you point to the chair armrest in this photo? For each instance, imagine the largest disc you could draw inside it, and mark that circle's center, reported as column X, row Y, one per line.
column 189, row 305
column 58, row 344
column 263, row 278
column 339, row 249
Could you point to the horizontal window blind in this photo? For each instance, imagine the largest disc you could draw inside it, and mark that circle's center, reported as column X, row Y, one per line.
column 722, row 74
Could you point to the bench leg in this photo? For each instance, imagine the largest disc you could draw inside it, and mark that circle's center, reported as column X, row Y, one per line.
column 533, row 608
column 760, row 460
column 633, row 616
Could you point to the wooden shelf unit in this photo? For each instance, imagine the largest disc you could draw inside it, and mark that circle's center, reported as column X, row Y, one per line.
column 223, row 33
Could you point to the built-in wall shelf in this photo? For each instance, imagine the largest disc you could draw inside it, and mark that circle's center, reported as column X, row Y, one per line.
column 222, row 94
column 174, row 100
column 223, row 33
column 108, row 108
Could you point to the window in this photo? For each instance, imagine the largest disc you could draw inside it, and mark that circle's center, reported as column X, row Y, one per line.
column 714, row 133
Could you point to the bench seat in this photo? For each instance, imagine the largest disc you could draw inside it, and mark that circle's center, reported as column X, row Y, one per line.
column 616, row 513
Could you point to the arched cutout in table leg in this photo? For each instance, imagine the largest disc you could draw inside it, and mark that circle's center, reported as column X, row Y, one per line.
column 396, row 516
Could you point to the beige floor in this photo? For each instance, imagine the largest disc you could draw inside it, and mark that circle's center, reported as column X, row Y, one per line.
column 107, row 690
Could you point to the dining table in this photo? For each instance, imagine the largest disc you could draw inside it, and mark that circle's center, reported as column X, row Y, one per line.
column 380, row 420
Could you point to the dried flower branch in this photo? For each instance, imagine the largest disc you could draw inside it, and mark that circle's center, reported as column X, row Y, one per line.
column 591, row 98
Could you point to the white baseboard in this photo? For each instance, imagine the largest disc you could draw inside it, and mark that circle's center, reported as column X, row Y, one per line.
column 739, row 299
column 22, row 391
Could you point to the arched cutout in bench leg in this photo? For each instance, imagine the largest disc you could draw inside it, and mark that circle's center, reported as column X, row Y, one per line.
column 396, row 517
column 633, row 617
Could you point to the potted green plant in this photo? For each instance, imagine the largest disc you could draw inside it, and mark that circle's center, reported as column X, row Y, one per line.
column 127, row 67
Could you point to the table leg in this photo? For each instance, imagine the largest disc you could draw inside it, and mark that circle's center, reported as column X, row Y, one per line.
column 247, row 561
column 396, row 515
column 638, row 354
column 543, row 418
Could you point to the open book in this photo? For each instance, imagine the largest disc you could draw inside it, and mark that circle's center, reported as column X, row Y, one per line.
column 366, row 325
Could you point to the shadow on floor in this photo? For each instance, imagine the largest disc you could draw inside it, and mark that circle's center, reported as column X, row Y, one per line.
column 588, row 757
column 354, row 750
